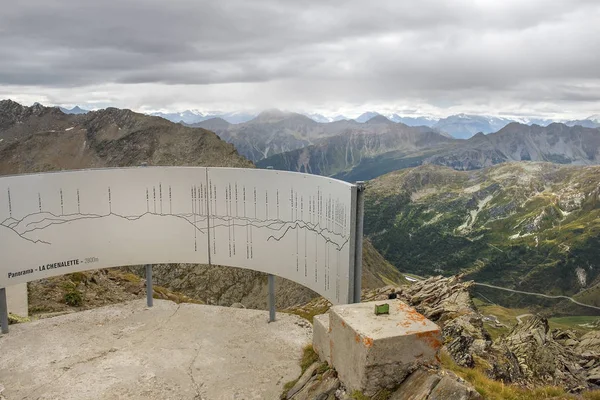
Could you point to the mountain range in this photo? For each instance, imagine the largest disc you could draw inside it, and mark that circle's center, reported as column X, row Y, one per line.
column 461, row 126
column 189, row 117
column 590, row 122
column 274, row 131
column 360, row 154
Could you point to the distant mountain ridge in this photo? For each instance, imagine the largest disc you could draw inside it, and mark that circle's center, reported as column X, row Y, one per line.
column 274, row 132
column 557, row 143
column 592, row 121
column 358, row 153
column 462, row 126
column 190, row 117
column 74, row 110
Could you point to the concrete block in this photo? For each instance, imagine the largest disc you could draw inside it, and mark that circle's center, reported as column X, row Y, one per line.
column 16, row 300
column 321, row 336
column 371, row 352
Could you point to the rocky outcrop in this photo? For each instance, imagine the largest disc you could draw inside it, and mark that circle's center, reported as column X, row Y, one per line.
column 90, row 289
column 33, row 136
column 424, row 383
column 447, row 302
column 224, row 286
column 533, row 356
column 589, row 350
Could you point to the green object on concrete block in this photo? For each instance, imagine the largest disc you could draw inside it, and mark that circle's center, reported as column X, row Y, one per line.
column 382, row 309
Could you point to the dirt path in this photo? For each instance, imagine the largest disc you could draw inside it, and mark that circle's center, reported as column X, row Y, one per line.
column 171, row 351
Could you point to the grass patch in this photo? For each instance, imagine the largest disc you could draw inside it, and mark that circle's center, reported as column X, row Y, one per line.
column 574, row 322
column 358, row 395
column 162, row 293
column 309, row 357
column 308, row 314
column 74, row 298
column 287, row 387
column 78, row 277
column 496, row 331
column 495, row 390
column 17, row 319
column 507, row 316
column 129, row 277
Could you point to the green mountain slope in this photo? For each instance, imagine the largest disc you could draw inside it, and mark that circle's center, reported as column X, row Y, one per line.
column 528, row 226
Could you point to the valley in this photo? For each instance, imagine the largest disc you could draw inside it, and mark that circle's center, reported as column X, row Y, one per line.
column 526, row 226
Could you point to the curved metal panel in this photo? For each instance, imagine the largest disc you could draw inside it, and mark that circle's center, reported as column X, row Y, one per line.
column 296, row 226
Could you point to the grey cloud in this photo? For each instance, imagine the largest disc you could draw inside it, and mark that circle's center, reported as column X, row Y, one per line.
column 434, row 51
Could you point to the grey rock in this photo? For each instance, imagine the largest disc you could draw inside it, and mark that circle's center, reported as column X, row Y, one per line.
column 594, row 376
column 310, row 371
column 590, row 341
column 319, row 389
column 447, row 302
column 417, row 386
column 450, row 389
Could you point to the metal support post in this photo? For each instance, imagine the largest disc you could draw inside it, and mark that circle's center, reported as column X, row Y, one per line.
column 149, row 290
column 271, row 298
column 360, row 211
column 3, row 311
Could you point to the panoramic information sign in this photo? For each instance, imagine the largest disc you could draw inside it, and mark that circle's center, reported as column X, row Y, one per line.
column 297, row 226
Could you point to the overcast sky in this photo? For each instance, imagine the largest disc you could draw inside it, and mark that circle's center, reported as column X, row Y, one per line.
column 500, row 57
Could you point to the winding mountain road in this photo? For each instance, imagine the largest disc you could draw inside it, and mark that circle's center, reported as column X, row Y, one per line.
column 537, row 294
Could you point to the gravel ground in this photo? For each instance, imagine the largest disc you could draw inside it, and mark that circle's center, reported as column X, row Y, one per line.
column 170, row 351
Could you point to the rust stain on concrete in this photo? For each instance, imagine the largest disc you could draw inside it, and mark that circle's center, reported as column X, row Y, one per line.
column 368, row 342
column 411, row 316
column 431, row 338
